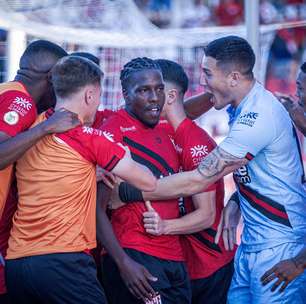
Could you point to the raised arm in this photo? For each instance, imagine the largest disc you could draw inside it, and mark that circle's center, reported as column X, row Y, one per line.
column 197, row 105
column 213, row 167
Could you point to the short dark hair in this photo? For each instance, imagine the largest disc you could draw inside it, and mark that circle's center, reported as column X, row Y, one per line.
column 173, row 72
column 303, row 67
column 41, row 55
column 72, row 73
column 136, row 65
column 232, row 50
column 87, row 55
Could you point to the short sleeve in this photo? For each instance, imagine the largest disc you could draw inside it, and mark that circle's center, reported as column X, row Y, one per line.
column 17, row 112
column 250, row 133
column 195, row 145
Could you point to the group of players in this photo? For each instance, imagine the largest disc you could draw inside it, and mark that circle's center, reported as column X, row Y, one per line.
column 64, row 165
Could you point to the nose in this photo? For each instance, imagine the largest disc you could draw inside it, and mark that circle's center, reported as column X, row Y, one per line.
column 153, row 96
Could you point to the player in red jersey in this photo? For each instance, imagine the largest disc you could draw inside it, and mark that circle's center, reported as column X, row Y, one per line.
column 143, row 90
column 20, row 101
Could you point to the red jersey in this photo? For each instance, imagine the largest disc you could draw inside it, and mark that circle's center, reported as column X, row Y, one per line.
column 101, row 115
column 17, row 113
column 57, row 192
column 152, row 148
column 203, row 256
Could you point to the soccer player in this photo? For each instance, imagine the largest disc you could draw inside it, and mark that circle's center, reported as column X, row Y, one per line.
column 209, row 265
column 54, row 225
column 135, row 126
column 297, row 110
column 20, row 101
column 262, row 150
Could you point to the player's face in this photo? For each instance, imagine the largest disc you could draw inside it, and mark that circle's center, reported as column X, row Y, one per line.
column 93, row 98
column 301, row 89
column 145, row 96
column 216, row 82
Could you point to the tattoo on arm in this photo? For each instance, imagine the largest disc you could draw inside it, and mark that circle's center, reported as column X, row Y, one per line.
column 217, row 161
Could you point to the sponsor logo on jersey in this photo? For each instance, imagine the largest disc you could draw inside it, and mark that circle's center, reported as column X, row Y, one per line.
column 11, row 118
column 248, row 119
column 155, row 300
column 87, row 130
column 242, row 176
column 133, row 128
column 23, row 103
column 109, row 136
column 199, row 150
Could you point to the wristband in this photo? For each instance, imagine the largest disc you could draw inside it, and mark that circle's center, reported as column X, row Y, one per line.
column 129, row 193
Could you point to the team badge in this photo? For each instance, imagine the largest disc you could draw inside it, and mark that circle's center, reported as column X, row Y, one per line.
column 11, row 118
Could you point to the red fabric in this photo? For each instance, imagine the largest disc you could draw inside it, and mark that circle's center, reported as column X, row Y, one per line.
column 101, row 116
column 202, row 260
column 152, row 147
column 23, row 107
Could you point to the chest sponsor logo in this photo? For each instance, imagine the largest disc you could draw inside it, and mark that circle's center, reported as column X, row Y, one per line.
column 21, row 106
column 122, row 129
column 248, row 119
column 11, row 118
column 242, row 176
column 87, row 130
column 109, row 136
column 155, row 300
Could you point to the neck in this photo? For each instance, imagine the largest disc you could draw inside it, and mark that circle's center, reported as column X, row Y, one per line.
column 175, row 114
column 68, row 105
column 243, row 92
column 31, row 84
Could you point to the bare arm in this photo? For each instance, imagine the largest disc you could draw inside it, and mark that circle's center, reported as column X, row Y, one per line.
column 213, row 167
column 134, row 173
column 201, row 218
column 12, row 148
column 196, row 106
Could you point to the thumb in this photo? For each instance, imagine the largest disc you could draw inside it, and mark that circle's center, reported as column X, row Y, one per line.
column 149, row 206
column 149, row 276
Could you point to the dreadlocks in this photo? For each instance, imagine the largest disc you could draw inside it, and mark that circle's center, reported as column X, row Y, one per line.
column 136, row 65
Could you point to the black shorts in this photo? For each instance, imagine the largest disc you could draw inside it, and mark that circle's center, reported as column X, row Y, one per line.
column 213, row 289
column 173, row 283
column 54, row 278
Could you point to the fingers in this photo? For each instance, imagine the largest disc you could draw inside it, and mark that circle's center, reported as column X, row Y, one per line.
column 219, row 229
column 265, row 278
column 278, row 282
column 231, row 238
column 106, row 181
column 149, row 206
column 283, row 287
column 226, row 239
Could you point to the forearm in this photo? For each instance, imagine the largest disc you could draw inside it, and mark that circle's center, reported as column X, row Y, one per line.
column 197, row 105
column 178, row 185
column 300, row 259
column 13, row 148
column 105, row 232
column 189, row 223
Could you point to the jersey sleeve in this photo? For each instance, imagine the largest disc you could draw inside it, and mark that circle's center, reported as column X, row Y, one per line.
column 195, row 145
column 111, row 129
column 17, row 112
column 100, row 117
column 250, row 133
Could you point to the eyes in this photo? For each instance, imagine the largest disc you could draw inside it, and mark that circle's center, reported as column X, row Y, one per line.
column 145, row 90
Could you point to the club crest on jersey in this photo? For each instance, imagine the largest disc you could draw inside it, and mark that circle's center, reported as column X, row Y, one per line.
column 11, row 118
column 23, row 103
column 248, row 119
column 155, row 300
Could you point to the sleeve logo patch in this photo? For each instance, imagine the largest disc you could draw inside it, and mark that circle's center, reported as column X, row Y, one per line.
column 11, row 118
column 248, row 119
column 23, row 103
column 199, row 150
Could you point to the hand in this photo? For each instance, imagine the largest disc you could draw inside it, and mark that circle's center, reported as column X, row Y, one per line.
column 61, row 121
column 285, row 271
column 229, row 221
column 137, row 277
column 108, row 178
column 152, row 221
column 288, row 101
column 115, row 201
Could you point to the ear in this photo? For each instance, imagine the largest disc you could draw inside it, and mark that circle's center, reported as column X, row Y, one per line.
column 171, row 96
column 234, row 78
column 88, row 96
